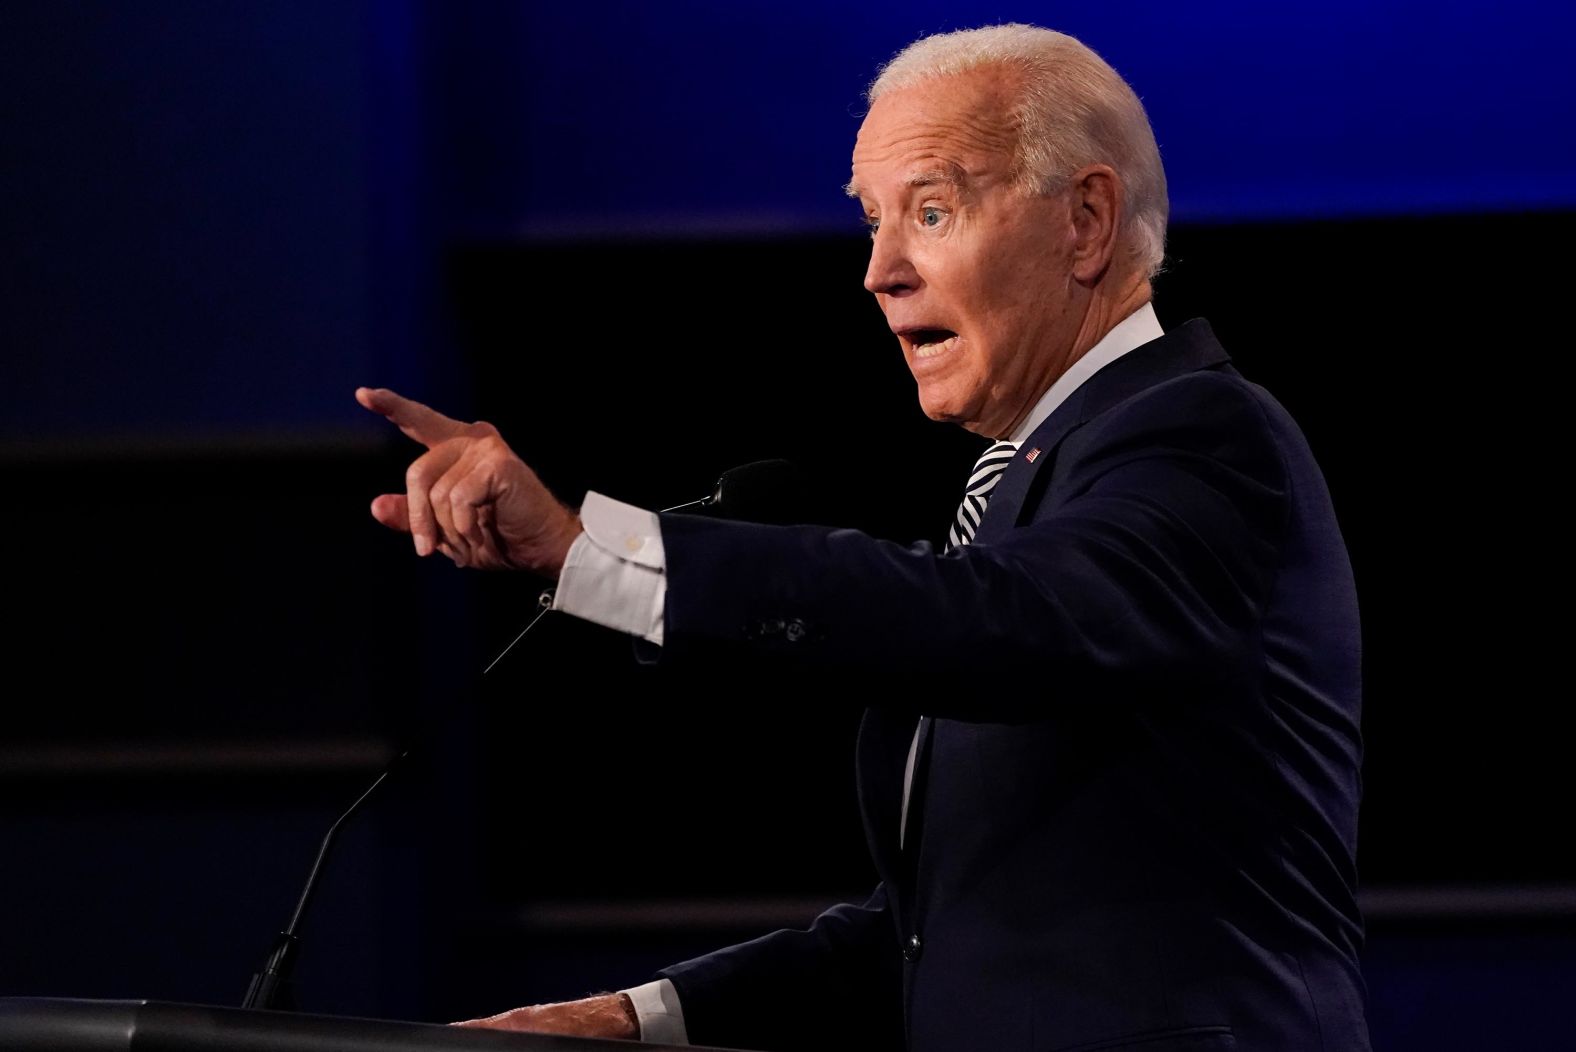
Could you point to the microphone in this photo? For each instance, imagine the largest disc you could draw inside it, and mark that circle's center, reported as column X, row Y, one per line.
column 269, row 987
column 773, row 492
column 766, row 491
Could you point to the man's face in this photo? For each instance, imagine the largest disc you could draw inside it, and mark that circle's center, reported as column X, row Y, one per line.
column 973, row 274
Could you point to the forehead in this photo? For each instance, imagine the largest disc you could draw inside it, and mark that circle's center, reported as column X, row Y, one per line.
column 958, row 124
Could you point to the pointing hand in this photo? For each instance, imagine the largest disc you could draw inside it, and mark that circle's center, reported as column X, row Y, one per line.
column 469, row 496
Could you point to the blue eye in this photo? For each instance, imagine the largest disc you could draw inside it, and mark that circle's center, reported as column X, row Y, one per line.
column 872, row 224
column 930, row 216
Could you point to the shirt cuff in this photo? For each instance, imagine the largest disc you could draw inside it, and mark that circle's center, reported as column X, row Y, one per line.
column 616, row 572
column 659, row 1012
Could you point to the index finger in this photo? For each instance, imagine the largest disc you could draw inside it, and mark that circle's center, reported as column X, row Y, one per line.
column 424, row 424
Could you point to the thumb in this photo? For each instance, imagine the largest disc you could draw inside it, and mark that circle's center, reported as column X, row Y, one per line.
column 392, row 510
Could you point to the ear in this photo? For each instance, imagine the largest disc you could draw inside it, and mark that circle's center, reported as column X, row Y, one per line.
column 1096, row 198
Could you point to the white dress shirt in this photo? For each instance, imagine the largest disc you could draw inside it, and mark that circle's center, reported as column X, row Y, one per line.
column 615, row 575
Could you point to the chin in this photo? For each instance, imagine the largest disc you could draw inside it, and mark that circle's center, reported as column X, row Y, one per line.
column 943, row 406
column 936, row 410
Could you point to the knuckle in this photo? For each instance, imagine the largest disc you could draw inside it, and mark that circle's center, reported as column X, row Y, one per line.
column 418, row 475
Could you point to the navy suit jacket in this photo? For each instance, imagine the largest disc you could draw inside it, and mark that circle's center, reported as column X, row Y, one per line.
column 1135, row 808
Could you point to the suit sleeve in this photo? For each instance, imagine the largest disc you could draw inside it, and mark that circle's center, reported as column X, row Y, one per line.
column 1150, row 560
column 836, row 984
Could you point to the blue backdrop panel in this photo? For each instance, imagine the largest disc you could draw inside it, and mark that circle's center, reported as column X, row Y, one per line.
column 704, row 115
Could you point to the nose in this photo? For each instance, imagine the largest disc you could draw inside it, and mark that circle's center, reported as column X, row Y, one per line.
column 890, row 270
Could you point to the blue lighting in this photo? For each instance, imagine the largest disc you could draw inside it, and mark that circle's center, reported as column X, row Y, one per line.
column 695, row 116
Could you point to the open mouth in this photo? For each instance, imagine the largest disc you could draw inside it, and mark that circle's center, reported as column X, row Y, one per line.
column 928, row 343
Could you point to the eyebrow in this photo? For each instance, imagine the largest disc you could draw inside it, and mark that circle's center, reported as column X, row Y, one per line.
column 945, row 174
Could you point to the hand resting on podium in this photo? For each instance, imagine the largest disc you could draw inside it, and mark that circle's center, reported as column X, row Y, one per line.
column 606, row 1015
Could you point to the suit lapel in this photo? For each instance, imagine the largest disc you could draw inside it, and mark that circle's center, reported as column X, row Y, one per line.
column 1007, row 499
column 882, row 749
column 1188, row 348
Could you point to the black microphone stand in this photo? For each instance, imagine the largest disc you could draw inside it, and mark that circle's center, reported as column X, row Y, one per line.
column 270, row 986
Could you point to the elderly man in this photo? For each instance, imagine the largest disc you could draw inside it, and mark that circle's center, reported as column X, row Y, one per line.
column 1115, row 806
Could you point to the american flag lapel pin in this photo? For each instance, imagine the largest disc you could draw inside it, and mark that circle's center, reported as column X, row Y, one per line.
column 1031, row 454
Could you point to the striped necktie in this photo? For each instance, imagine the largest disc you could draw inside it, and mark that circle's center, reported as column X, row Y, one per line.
column 987, row 472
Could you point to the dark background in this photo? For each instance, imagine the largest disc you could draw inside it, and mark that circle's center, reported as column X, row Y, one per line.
column 619, row 236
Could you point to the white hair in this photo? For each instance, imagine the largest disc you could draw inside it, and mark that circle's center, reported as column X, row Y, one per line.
column 1073, row 110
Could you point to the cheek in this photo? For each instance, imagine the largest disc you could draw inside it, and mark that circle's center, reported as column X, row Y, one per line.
column 1029, row 290
column 976, row 286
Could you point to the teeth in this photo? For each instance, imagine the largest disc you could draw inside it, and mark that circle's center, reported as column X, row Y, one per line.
column 930, row 350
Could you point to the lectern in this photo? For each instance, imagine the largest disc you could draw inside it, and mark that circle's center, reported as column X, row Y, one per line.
column 42, row 1024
